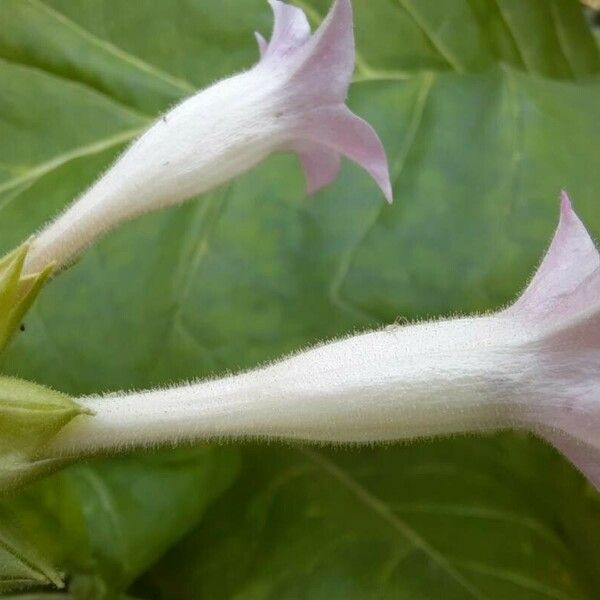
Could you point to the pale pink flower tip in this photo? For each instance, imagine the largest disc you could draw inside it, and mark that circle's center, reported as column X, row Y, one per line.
column 319, row 69
column 565, row 203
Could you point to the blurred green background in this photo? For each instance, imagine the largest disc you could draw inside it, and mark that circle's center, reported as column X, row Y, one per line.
column 487, row 108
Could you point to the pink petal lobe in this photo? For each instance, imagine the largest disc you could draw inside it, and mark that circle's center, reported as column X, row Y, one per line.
column 327, row 61
column 290, row 31
column 567, row 282
column 320, row 164
column 338, row 129
column 263, row 45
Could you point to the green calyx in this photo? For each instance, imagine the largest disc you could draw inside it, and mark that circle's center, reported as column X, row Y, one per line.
column 17, row 292
column 30, row 416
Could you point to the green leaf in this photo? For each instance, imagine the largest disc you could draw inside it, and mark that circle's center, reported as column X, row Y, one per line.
column 105, row 522
column 487, row 108
column 547, row 37
column 456, row 519
column 21, row 565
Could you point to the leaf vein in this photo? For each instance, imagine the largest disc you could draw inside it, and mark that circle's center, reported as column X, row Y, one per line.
column 516, row 578
column 382, row 510
column 437, row 43
column 346, row 263
column 78, row 83
column 61, row 159
column 556, row 23
column 116, row 51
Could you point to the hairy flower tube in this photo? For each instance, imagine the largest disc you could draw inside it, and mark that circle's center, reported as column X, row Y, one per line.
column 292, row 100
column 533, row 365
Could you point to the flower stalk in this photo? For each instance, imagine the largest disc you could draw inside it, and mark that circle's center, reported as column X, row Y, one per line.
column 532, row 366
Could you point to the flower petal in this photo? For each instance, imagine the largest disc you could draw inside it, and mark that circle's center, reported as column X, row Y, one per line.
column 290, row 31
column 327, row 61
column 338, row 129
column 569, row 395
column 567, row 282
column 321, row 71
column 320, row 164
column 263, row 45
column 561, row 306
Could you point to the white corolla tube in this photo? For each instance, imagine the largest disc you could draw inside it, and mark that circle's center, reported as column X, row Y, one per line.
column 534, row 365
column 292, row 100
